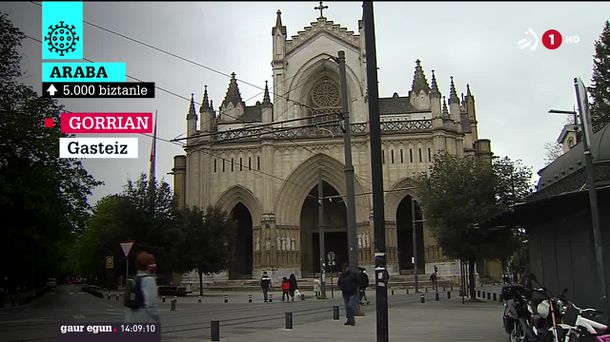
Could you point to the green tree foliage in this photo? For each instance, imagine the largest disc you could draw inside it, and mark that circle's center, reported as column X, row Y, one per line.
column 600, row 83
column 43, row 199
column 459, row 193
column 205, row 244
column 144, row 213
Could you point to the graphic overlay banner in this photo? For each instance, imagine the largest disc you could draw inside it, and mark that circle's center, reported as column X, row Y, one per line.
column 84, row 72
column 102, row 123
column 98, row 148
column 99, row 90
column 62, row 30
column 109, row 332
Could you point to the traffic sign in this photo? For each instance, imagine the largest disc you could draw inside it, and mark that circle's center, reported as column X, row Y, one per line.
column 109, row 262
column 126, row 246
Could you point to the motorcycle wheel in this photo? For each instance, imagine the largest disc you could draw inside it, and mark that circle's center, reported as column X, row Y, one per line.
column 517, row 334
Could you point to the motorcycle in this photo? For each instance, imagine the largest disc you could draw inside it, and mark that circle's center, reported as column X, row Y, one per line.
column 530, row 319
column 586, row 329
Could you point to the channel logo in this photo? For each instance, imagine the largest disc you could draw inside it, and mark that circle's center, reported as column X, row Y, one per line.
column 551, row 39
column 531, row 39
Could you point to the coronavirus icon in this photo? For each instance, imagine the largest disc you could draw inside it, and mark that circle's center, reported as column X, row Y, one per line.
column 61, row 38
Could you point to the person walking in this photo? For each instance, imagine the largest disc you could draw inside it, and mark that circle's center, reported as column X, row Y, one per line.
column 293, row 285
column 348, row 283
column 363, row 283
column 146, row 292
column 265, row 285
column 285, row 289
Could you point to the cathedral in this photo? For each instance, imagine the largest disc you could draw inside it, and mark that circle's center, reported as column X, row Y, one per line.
column 263, row 162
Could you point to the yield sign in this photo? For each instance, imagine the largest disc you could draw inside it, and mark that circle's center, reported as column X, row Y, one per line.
column 126, row 246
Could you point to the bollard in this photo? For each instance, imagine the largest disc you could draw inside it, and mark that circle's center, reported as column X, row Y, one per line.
column 270, row 297
column 199, row 299
column 495, row 297
column 336, row 312
column 407, row 290
column 422, row 298
column 249, row 298
column 173, row 305
column 488, row 295
column 163, row 299
column 302, row 296
column 215, row 330
column 288, row 320
column 448, row 294
column 436, row 297
column 426, row 289
column 226, row 299
column 392, row 292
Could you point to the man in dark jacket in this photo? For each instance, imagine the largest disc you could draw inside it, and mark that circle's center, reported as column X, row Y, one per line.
column 265, row 285
column 363, row 283
column 348, row 283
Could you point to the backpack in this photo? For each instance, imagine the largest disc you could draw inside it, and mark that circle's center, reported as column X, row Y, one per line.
column 133, row 297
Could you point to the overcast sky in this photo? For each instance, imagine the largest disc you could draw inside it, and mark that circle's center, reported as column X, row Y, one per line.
column 474, row 42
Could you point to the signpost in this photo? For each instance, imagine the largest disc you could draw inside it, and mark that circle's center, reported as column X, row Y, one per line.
column 331, row 262
column 126, row 246
column 585, row 119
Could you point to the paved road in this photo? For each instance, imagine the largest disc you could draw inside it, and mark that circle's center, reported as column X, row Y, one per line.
column 243, row 321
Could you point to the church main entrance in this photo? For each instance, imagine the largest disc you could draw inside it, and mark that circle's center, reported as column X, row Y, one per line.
column 404, row 232
column 335, row 229
column 240, row 266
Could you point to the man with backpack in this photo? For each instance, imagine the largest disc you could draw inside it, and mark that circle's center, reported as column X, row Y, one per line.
column 348, row 283
column 141, row 293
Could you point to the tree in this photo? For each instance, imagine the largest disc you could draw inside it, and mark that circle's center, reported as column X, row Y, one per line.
column 459, row 193
column 43, row 199
column 205, row 244
column 145, row 213
column 600, row 83
column 552, row 152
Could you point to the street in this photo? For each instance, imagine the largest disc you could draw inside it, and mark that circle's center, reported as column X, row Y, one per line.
column 243, row 321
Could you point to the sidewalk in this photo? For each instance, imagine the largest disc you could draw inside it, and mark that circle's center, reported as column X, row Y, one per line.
column 432, row 321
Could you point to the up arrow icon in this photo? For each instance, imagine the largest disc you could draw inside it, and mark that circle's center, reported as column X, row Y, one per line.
column 52, row 90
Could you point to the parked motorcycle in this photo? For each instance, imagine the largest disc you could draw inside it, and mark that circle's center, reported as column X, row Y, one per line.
column 586, row 329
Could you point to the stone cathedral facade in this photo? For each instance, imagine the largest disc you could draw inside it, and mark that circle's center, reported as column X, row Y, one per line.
column 262, row 162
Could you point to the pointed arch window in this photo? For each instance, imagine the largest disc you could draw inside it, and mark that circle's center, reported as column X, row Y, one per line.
column 324, row 99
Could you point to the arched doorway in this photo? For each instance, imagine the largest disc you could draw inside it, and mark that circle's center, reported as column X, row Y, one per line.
column 404, row 232
column 335, row 229
column 240, row 266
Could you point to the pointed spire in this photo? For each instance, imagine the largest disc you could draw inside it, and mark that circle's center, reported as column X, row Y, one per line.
column 434, row 87
column 205, row 103
column 468, row 93
column 278, row 19
column 212, row 105
column 419, row 80
column 266, row 97
column 278, row 24
column 445, row 110
column 453, row 98
column 233, row 96
column 192, row 115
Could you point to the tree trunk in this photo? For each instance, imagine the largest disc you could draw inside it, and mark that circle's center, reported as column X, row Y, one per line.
column 471, row 278
column 200, row 283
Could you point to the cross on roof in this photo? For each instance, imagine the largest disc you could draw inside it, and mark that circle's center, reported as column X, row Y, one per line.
column 321, row 8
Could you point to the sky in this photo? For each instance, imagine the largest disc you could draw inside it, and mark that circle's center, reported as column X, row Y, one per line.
column 476, row 43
